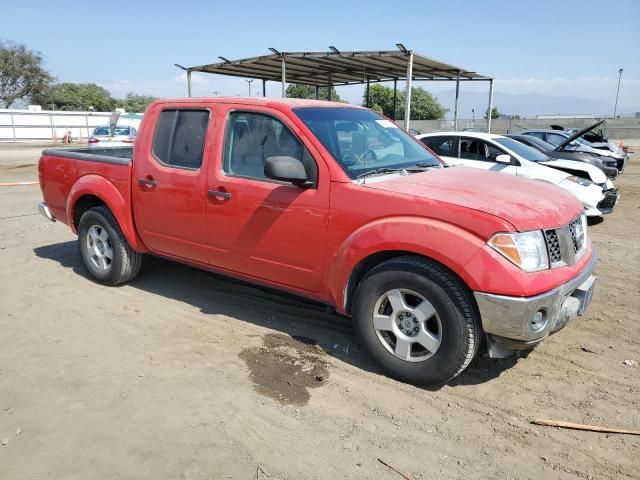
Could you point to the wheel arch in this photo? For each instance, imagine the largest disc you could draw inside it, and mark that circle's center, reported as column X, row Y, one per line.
column 433, row 240
column 94, row 190
column 368, row 263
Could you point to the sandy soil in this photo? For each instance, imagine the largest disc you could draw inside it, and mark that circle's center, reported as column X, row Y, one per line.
column 185, row 375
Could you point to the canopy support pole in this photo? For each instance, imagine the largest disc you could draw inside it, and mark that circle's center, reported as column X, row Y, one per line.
column 407, row 92
column 317, row 92
column 189, row 83
column 330, row 87
column 395, row 97
column 368, row 102
column 264, row 87
column 455, row 107
column 284, row 78
column 490, row 106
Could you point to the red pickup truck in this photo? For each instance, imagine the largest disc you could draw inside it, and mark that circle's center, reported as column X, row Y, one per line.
column 335, row 203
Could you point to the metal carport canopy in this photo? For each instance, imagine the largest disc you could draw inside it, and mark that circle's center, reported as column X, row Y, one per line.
column 336, row 68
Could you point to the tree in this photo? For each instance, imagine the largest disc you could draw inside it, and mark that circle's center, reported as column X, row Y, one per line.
column 381, row 97
column 21, row 73
column 76, row 96
column 296, row 90
column 424, row 106
column 135, row 102
column 494, row 113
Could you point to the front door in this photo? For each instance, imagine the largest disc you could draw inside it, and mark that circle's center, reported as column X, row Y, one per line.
column 169, row 184
column 478, row 153
column 264, row 228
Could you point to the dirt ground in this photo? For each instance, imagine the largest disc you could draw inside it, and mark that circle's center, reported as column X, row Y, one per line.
column 182, row 374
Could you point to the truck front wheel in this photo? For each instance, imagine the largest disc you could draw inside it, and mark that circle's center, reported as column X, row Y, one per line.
column 417, row 320
column 103, row 248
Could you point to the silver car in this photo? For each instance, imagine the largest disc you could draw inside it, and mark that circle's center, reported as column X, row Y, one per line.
column 123, row 136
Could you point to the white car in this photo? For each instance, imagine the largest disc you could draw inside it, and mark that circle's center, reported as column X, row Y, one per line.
column 502, row 154
column 123, row 136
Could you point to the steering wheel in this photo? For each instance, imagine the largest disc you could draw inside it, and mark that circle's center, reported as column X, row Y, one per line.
column 369, row 156
column 351, row 159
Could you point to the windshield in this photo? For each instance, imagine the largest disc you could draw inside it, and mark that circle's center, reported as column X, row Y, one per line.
column 361, row 140
column 525, row 151
column 104, row 131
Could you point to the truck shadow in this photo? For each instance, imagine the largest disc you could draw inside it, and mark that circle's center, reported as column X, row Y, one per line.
column 301, row 319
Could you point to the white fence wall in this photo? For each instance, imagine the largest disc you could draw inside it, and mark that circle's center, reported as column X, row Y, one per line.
column 25, row 125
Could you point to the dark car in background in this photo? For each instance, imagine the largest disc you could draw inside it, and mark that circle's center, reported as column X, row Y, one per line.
column 607, row 165
column 574, row 142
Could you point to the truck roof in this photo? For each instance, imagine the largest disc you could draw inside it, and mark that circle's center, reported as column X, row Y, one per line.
column 261, row 101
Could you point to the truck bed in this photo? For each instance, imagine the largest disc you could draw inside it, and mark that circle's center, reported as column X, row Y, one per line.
column 94, row 154
column 60, row 170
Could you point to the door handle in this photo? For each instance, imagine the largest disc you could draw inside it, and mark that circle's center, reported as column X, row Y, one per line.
column 146, row 182
column 219, row 194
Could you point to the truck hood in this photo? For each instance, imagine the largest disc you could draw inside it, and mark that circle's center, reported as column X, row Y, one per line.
column 525, row 204
column 595, row 174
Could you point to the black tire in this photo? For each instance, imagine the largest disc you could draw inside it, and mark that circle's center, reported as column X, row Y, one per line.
column 453, row 303
column 125, row 263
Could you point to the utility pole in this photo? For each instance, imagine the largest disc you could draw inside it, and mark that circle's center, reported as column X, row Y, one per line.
column 615, row 108
column 249, row 82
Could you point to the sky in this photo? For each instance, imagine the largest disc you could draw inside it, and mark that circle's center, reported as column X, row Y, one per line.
column 561, row 48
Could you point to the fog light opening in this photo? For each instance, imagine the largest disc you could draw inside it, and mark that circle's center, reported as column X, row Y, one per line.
column 539, row 321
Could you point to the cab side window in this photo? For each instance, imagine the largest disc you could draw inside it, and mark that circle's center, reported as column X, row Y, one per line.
column 252, row 138
column 179, row 138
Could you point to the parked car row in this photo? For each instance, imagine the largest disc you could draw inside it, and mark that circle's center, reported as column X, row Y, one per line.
column 336, row 203
column 567, row 162
column 574, row 141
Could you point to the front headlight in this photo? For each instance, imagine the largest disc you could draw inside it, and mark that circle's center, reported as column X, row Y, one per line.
column 581, row 231
column 585, row 182
column 527, row 250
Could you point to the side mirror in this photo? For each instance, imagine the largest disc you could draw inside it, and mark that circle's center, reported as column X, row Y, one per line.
column 286, row 169
column 504, row 158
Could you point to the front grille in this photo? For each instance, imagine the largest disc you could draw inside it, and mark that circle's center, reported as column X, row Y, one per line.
column 553, row 246
column 609, row 200
column 565, row 244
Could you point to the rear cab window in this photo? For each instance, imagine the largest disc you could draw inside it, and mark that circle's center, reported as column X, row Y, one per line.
column 179, row 137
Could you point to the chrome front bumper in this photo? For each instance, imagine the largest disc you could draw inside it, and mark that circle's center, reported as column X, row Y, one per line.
column 512, row 322
column 44, row 210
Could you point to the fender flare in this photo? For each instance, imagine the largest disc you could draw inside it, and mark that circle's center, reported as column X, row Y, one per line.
column 442, row 242
column 107, row 192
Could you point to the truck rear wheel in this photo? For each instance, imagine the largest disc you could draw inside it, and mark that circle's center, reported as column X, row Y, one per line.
column 417, row 320
column 103, row 248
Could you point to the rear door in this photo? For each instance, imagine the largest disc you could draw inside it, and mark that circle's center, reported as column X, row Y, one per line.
column 264, row 228
column 168, row 186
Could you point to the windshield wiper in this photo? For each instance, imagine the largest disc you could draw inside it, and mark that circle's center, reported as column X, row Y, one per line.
column 377, row 171
column 427, row 165
column 381, row 170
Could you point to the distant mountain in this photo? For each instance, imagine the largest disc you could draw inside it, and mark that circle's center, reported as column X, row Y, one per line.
column 527, row 104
